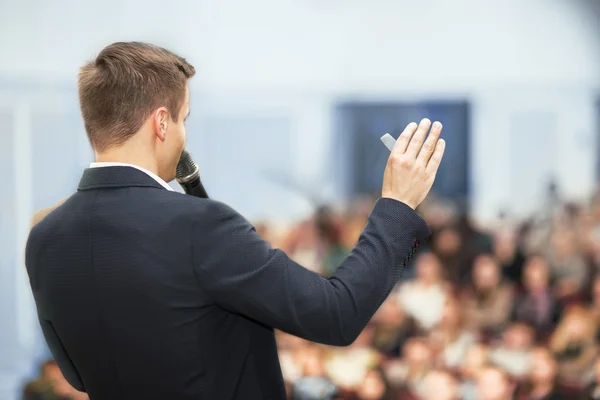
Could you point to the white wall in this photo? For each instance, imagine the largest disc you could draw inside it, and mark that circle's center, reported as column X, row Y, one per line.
column 292, row 58
column 526, row 136
column 319, row 45
column 530, row 68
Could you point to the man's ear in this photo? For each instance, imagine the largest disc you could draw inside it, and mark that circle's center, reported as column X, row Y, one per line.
column 160, row 119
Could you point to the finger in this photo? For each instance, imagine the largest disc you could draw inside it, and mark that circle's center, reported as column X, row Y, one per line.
column 418, row 138
column 430, row 143
column 436, row 157
column 404, row 139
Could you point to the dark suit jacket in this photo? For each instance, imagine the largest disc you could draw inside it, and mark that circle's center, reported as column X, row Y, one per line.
column 143, row 293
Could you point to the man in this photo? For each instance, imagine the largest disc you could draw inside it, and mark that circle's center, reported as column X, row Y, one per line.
column 145, row 293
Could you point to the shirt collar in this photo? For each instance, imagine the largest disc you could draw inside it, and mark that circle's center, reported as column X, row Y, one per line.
column 149, row 173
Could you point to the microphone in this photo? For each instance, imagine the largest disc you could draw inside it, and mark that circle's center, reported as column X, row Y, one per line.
column 188, row 176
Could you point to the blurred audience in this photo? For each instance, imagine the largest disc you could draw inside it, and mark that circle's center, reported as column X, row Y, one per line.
column 51, row 385
column 482, row 314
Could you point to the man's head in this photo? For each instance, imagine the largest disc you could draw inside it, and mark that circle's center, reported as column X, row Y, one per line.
column 134, row 99
column 536, row 274
column 428, row 268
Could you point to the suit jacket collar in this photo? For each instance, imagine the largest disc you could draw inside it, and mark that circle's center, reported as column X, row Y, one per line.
column 115, row 177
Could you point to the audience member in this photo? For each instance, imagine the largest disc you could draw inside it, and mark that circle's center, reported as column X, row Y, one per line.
column 574, row 345
column 488, row 303
column 568, row 265
column 513, row 353
column 428, row 288
column 51, row 385
column 475, row 359
column 536, row 305
column 494, row 383
column 440, row 385
column 542, row 382
column 450, row 339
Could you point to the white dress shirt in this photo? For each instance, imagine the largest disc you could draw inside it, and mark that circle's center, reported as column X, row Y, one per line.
column 149, row 173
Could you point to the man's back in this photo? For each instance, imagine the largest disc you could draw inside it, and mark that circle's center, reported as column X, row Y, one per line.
column 112, row 274
column 146, row 293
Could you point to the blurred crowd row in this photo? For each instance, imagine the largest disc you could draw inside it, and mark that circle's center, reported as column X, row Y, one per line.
column 504, row 312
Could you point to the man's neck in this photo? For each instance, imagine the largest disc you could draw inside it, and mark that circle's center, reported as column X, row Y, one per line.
column 123, row 157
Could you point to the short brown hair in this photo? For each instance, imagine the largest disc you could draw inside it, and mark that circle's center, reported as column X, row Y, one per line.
column 124, row 84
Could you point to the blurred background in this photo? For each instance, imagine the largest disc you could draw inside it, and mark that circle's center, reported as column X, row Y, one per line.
column 289, row 102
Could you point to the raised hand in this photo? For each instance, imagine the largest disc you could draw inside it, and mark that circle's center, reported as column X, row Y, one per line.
column 413, row 163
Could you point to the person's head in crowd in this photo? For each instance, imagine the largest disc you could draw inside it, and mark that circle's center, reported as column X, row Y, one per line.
column 438, row 212
column 475, row 358
column 513, row 354
column 37, row 389
column 440, row 385
column 417, row 357
column 563, row 242
column 353, row 227
column 428, row 269
column 450, row 326
column 544, row 369
column 52, row 374
column 264, row 231
column 417, row 351
column 329, row 226
column 355, row 218
column 48, row 369
column 518, row 336
column 486, row 273
column 452, row 317
column 536, row 277
column 568, row 265
column 450, row 339
column 390, row 314
column 493, row 383
column 374, row 386
column 575, row 331
column 447, row 242
column 505, row 244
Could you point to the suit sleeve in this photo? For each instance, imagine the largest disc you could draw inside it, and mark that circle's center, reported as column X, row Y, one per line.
column 243, row 274
column 60, row 355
